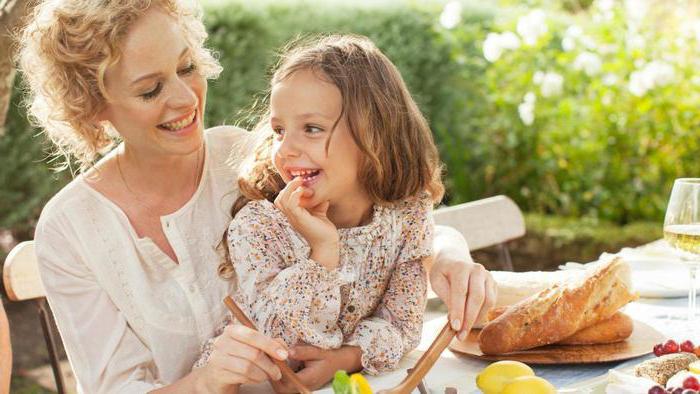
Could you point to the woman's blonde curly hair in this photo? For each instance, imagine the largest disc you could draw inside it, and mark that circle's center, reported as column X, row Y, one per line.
column 64, row 50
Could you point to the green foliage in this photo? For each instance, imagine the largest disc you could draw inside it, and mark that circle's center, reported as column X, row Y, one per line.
column 26, row 179
column 595, row 117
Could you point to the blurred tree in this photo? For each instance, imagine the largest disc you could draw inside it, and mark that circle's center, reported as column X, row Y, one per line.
column 11, row 13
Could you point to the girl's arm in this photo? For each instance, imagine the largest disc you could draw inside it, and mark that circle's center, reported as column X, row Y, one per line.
column 395, row 328
column 285, row 293
column 467, row 289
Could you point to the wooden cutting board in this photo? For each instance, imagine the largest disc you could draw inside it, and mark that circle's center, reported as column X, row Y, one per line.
column 641, row 342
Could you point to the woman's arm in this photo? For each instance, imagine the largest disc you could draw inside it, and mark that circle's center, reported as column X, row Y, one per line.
column 105, row 353
column 467, row 289
column 240, row 356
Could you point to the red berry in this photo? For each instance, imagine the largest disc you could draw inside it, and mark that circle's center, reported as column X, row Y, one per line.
column 691, row 382
column 659, row 349
column 670, row 347
column 687, row 346
column 657, row 390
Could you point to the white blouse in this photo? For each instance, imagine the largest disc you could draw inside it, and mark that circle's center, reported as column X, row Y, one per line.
column 131, row 319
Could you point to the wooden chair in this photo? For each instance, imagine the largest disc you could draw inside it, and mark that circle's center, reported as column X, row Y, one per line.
column 5, row 352
column 22, row 282
column 487, row 222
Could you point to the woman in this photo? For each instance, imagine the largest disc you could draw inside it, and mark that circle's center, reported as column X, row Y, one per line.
column 127, row 251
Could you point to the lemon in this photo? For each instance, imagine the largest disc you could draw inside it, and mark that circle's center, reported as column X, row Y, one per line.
column 694, row 367
column 496, row 376
column 529, row 385
column 360, row 384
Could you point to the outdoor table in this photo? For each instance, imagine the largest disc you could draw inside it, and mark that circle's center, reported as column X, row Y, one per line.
column 460, row 371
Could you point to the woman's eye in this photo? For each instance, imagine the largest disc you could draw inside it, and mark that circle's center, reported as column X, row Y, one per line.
column 189, row 69
column 153, row 93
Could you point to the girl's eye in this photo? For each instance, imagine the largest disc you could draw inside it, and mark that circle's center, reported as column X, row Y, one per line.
column 189, row 69
column 153, row 93
column 279, row 132
column 313, row 129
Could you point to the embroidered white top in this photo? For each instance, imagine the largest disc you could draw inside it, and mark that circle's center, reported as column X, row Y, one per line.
column 130, row 318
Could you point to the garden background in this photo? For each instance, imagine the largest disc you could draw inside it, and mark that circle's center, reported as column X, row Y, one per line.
column 582, row 111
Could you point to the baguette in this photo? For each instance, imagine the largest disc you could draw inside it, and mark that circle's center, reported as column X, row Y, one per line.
column 560, row 311
column 615, row 329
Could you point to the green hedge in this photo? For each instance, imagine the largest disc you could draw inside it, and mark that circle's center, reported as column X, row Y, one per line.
column 470, row 103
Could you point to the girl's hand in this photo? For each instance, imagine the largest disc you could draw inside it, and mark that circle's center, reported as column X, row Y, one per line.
column 311, row 223
column 240, row 355
column 320, row 365
column 467, row 289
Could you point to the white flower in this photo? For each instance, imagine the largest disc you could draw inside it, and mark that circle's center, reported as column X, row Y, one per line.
column 589, row 62
column 605, row 5
column 609, row 79
column 496, row 43
column 538, row 77
column 652, row 75
column 572, row 34
column 451, row 15
column 509, row 40
column 573, row 31
column 635, row 41
column 492, row 47
column 551, row 84
column 568, row 44
column 661, row 73
column 526, row 109
column 605, row 8
column 532, row 26
column 636, row 9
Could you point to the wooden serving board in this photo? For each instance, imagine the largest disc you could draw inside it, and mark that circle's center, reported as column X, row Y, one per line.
column 641, row 342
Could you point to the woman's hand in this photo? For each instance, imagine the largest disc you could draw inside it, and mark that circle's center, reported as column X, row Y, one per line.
column 311, row 223
column 320, row 365
column 240, row 355
column 467, row 289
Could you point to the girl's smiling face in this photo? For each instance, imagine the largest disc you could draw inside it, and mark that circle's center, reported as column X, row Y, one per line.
column 304, row 109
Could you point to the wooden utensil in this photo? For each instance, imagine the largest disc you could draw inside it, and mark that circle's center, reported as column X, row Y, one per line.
column 284, row 368
column 425, row 362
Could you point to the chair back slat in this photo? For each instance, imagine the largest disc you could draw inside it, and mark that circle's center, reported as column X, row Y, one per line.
column 485, row 222
column 5, row 352
column 21, row 273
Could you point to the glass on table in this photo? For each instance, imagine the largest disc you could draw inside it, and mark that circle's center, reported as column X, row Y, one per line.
column 682, row 232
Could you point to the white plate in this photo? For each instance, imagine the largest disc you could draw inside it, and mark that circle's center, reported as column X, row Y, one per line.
column 659, row 278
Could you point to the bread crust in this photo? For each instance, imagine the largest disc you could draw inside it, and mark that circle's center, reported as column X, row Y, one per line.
column 560, row 311
column 615, row 329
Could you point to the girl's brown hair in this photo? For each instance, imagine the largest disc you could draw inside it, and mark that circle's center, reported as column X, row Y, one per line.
column 399, row 158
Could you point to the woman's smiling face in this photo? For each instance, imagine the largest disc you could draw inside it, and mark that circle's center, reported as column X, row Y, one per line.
column 304, row 109
column 157, row 94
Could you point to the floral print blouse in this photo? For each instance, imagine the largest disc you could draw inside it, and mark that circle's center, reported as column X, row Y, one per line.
column 374, row 299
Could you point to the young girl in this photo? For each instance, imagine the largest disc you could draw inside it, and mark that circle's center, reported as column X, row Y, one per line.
column 329, row 236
